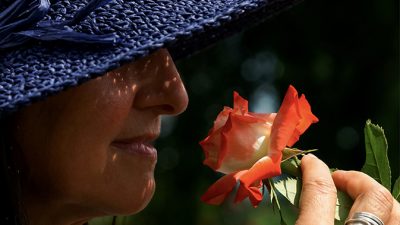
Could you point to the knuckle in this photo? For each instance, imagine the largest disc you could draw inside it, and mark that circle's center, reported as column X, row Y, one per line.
column 382, row 198
column 321, row 186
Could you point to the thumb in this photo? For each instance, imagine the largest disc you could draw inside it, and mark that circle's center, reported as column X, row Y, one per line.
column 318, row 195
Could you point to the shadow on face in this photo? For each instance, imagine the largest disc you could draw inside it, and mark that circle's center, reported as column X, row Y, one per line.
column 83, row 149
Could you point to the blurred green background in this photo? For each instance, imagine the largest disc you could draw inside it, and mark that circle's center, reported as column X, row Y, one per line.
column 343, row 56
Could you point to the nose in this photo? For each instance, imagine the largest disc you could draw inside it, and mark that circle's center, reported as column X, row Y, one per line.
column 160, row 87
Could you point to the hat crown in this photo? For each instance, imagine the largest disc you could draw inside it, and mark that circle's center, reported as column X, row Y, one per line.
column 25, row 20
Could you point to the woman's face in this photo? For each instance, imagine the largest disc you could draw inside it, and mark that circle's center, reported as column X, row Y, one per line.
column 89, row 148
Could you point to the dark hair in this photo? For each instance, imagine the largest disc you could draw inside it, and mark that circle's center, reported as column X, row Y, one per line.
column 12, row 212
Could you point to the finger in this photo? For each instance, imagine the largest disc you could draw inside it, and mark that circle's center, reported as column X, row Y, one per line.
column 395, row 215
column 318, row 195
column 368, row 194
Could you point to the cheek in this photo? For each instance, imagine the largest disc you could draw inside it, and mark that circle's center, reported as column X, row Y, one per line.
column 68, row 154
column 66, row 149
column 111, row 182
column 90, row 173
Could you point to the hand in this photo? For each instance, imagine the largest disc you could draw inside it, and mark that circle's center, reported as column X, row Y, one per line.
column 318, row 197
column 368, row 196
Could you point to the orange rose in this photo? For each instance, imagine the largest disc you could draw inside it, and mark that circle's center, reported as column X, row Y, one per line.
column 248, row 146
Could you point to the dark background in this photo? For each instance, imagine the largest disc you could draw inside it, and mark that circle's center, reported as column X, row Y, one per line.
column 343, row 55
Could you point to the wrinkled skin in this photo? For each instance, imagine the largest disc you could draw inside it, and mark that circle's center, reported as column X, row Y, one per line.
column 318, row 195
column 72, row 173
column 71, row 170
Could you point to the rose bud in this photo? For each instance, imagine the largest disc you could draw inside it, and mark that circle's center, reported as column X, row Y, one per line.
column 248, row 146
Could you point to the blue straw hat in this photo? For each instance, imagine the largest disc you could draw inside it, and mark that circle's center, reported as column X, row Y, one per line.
column 47, row 46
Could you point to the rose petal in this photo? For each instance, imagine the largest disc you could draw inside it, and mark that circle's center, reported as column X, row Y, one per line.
column 211, row 144
column 234, row 132
column 253, row 192
column 251, row 180
column 215, row 144
column 240, row 145
column 285, row 122
column 240, row 103
column 306, row 119
column 220, row 120
column 217, row 192
column 264, row 168
column 211, row 148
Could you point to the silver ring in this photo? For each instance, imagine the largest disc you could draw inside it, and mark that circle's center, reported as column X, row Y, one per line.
column 364, row 218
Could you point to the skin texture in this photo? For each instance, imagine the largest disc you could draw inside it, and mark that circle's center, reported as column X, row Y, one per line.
column 71, row 171
column 318, row 197
column 368, row 196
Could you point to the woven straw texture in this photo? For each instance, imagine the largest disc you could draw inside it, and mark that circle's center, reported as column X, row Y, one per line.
column 38, row 68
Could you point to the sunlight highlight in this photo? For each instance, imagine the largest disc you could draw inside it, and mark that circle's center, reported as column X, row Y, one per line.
column 133, row 87
column 114, row 157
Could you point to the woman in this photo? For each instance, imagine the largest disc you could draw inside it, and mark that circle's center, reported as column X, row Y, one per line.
column 86, row 151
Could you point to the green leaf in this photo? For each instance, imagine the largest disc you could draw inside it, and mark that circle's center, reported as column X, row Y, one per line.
column 343, row 206
column 289, row 212
column 288, row 187
column 289, row 153
column 291, row 167
column 376, row 163
column 273, row 196
column 287, row 191
column 396, row 189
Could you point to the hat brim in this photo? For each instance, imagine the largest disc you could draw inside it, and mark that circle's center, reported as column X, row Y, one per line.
column 37, row 69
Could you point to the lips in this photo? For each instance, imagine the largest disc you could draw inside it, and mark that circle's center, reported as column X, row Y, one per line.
column 140, row 145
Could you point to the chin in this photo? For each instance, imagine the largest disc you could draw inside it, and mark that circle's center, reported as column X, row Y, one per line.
column 138, row 200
